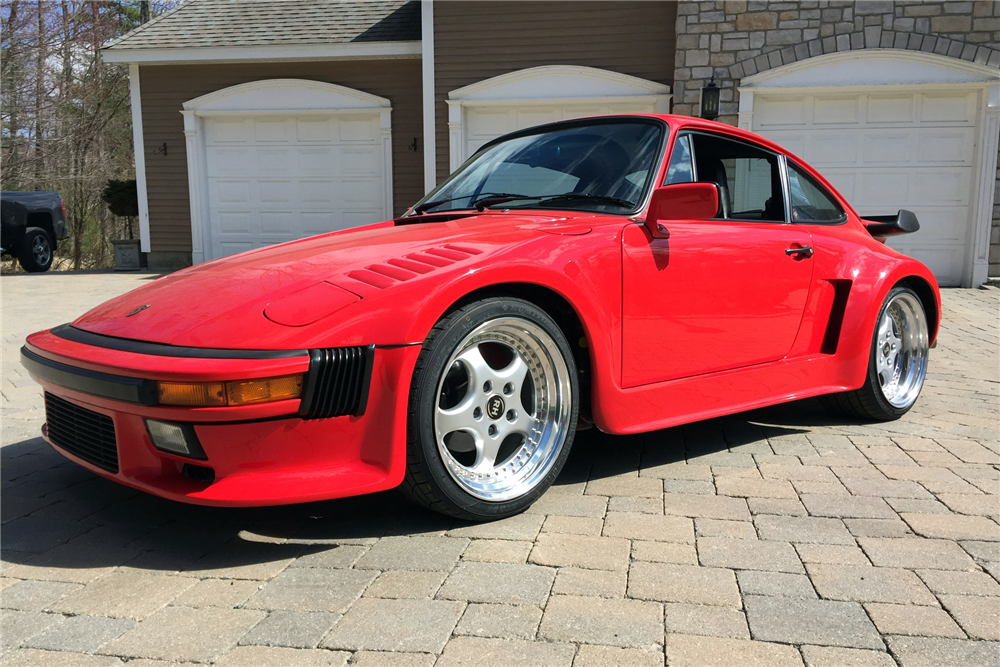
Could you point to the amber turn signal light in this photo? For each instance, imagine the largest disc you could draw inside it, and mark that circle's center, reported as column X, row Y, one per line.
column 236, row 392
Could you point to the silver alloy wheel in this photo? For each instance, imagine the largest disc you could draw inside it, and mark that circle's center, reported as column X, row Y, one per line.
column 901, row 345
column 41, row 250
column 503, row 409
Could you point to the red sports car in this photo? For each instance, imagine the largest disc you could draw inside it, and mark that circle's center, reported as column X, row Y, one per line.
column 633, row 272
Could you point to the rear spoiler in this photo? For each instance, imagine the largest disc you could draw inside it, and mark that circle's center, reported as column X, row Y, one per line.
column 881, row 226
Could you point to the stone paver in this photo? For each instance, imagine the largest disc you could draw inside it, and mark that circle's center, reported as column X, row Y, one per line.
column 822, row 622
column 829, row 656
column 695, row 651
column 207, row 634
column 596, row 553
column 683, row 583
column 624, row 623
column 748, row 555
column 938, row 652
column 499, row 582
column 709, row 620
column 764, row 538
column 395, row 625
column 869, row 584
column 475, row 651
column 898, row 619
column 501, row 621
column 294, row 629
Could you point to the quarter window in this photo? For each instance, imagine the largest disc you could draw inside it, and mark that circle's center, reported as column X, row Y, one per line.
column 679, row 170
column 810, row 202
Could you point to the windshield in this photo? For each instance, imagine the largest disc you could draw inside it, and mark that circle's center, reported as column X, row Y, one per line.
column 603, row 167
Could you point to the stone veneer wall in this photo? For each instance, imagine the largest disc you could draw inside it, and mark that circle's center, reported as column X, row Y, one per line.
column 728, row 40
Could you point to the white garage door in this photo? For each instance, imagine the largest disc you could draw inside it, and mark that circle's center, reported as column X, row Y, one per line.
column 489, row 122
column 889, row 150
column 273, row 179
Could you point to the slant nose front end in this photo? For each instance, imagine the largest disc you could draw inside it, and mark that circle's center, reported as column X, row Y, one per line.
column 225, row 426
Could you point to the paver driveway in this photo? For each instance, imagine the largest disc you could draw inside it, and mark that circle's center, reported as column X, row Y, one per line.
column 773, row 538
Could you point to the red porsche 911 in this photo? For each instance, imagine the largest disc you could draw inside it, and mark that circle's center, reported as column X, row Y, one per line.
column 631, row 272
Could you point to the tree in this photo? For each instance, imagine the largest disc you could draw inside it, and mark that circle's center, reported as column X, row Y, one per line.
column 66, row 120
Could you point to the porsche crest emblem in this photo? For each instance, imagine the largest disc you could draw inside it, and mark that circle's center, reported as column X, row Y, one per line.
column 137, row 310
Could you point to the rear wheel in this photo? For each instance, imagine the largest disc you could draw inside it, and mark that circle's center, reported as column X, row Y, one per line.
column 36, row 251
column 492, row 411
column 897, row 364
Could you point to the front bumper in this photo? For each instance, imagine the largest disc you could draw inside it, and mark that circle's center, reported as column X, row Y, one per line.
column 264, row 454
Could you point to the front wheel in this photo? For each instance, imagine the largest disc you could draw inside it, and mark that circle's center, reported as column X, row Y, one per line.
column 493, row 408
column 36, row 251
column 897, row 364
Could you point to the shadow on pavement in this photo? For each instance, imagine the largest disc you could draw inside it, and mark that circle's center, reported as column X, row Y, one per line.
column 58, row 515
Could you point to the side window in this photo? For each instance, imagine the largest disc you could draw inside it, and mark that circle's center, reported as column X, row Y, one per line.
column 679, row 170
column 809, row 201
column 749, row 178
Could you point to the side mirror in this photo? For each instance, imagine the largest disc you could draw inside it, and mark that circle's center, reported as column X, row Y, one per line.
column 681, row 201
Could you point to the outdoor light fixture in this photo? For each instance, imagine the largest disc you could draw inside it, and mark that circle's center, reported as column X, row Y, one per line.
column 710, row 101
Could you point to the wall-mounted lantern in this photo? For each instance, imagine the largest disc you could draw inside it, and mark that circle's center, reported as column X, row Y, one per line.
column 710, row 101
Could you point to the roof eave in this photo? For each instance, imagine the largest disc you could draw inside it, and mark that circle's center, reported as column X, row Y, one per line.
column 290, row 52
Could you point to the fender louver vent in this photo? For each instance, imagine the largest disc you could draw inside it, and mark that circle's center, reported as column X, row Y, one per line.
column 392, row 271
column 337, row 382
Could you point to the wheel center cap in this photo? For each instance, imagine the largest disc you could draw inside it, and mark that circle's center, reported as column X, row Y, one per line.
column 495, row 407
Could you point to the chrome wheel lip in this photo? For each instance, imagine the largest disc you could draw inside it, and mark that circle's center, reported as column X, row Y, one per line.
column 901, row 350
column 41, row 250
column 545, row 430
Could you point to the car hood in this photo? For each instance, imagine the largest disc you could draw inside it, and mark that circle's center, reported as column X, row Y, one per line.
column 257, row 299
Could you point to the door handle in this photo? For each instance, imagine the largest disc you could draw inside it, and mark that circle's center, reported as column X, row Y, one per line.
column 804, row 251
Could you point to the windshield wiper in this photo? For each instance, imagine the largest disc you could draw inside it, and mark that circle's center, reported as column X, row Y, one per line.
column 488, row 195
column 484, row 202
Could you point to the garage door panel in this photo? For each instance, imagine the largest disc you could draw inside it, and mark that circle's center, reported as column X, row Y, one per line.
column 273, row 130
column 234, row 223
column 945, row 147
column 944, row 263
column 227, row 131
column 948, row 108
column 836, row 110
column 781, row 112
column 228, row 161
column 359, row 161
column 277, row 225
column 319, row 192
column 358, row 129
column 891, row 109
column 273, row 160
column 276, row 192
column 229, row 192
column 315, row 129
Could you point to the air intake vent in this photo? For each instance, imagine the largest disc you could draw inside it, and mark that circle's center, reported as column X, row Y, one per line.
column 81, row 432
column 337, row 382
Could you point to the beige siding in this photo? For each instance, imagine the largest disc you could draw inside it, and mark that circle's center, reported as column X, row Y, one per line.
column 479, row 40
column 166, row 87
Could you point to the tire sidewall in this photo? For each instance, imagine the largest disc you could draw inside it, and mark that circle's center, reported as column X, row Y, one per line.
column 424, row 396
column 889, row 410
column 27, row 257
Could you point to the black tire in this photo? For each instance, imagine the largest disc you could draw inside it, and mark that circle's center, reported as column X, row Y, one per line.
column 433, row 470
column 869, row 401
column 35, row 255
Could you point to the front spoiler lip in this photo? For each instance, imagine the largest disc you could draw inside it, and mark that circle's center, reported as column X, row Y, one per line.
column 71, row 333
column 103, row 385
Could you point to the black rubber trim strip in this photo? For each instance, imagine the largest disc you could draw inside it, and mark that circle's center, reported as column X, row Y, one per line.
column 69, row 332
column 104, row 385
column 395, row 345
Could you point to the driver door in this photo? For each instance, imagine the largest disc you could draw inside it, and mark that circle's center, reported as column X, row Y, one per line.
column 717, row 294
